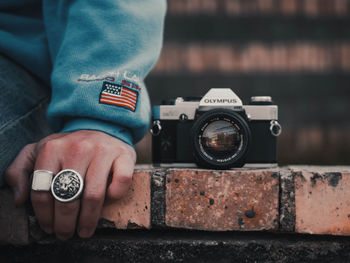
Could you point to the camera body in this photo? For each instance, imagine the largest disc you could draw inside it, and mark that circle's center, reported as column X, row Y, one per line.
column 216, row 131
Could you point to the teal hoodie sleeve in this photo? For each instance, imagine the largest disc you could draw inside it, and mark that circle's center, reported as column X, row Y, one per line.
column 101, row 52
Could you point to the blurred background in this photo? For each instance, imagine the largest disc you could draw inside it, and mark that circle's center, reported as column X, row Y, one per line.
column 297, row 51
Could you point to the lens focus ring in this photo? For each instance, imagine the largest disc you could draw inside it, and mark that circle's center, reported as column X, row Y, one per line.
column 221, row 139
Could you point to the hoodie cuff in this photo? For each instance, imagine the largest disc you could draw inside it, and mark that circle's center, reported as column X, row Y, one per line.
column 114, row 130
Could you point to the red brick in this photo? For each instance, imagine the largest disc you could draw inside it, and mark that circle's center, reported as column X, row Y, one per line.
column 134, row 210
column 322, row 203
column 255, row 57
column 341, row 7
column 311, row 7
column 222, row 200
column 278, row 57
column 288, row 7
column 194, row 58
column 193, row 6
column 266, row 6
column 209, row 6
column 232, row 7
column 225, row 59
column 251, row 7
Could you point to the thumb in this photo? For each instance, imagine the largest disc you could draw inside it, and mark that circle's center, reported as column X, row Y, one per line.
column 17, row 174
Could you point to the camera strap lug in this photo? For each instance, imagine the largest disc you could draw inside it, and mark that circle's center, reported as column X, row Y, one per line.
column 275, row 128
column 156, row 128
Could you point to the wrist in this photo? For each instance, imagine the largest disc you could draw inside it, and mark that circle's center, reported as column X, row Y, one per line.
column 114, row 130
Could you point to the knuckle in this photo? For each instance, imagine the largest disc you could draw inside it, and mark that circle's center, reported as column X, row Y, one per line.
column 10, row 173
column 94, row 198
column 133, row 156
column 129, row 152
column 29, row 147
column 123, row 150
column 40, row 144
column 124, row 179
column 50, row 146
column 68, row 208
column 81, row 147
column 40, row 198
column 117, row 193
column 103, row 148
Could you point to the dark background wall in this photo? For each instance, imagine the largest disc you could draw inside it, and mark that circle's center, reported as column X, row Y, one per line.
column 297, row 51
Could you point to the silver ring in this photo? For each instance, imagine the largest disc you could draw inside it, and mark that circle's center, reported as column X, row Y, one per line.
column 67, row 185
column 41, row 180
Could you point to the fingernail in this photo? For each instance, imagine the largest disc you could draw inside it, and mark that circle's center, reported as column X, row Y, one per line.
column 63, row 237
column 84, row 232
column 47, row 229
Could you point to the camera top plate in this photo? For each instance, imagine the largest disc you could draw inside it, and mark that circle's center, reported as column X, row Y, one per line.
column 214, row 98
column 220, row 98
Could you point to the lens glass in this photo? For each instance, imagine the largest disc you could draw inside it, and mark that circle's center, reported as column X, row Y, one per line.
column 221, row 139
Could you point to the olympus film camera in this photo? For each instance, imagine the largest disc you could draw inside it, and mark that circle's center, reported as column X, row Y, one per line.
column 216, row 131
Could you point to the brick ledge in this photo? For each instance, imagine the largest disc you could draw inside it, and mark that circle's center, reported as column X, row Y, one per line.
column 294, row 199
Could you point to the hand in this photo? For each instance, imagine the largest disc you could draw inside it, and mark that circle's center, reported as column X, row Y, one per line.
column 95, row 155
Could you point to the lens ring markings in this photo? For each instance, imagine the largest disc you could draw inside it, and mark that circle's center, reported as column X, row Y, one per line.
column 218, row 158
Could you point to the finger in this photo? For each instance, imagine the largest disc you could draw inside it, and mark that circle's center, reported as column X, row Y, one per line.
column 42, row 202
column 66, row 214
column 94, row 194
column 123, row 169
column 43, row 142
column 17, row 174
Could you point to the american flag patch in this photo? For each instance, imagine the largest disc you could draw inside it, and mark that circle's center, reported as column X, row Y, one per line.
column 118, row 95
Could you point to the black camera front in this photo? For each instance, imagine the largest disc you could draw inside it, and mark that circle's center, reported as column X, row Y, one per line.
column 220, row 139
column 215, row 132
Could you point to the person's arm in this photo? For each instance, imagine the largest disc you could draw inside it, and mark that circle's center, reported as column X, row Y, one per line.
column 96, row 45
column 101, row 51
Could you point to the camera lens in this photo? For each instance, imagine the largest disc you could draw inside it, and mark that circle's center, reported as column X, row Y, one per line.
column 221, row 139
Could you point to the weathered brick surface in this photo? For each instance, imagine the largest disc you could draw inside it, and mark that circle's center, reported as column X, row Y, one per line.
column 322, row 201
column 287, row 201
column 13, row 220
column 299, row 199
column 158, row 199
column 184, row 246
column 222, row 200
column 134, row 210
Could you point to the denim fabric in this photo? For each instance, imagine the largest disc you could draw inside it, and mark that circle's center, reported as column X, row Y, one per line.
column 23, row 103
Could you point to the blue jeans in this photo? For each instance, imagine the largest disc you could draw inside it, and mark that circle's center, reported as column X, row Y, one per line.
column 23, row 103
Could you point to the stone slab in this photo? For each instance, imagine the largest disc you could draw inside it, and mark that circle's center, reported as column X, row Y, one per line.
column 183, row 246
column 134, row 210
column 222, row 200
column 286, row 201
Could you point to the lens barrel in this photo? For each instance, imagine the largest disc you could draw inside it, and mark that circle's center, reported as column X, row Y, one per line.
column 220, row 139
